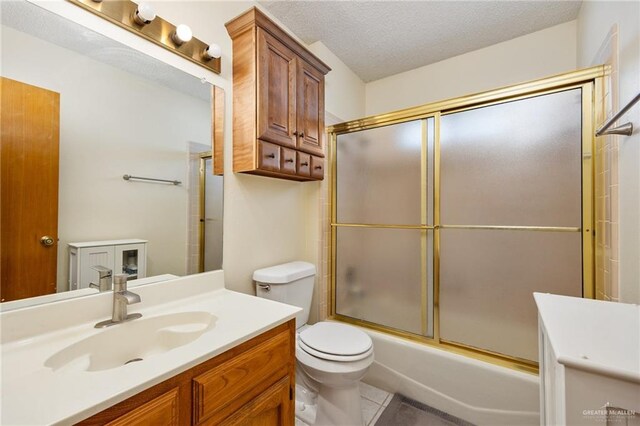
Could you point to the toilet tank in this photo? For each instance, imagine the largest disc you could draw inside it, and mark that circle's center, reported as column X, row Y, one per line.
column 290, row 283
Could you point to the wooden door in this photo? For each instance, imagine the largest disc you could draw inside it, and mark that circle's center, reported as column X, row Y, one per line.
column 29, row 140
column 276, row 91
column 273, row 407
column 310, row 109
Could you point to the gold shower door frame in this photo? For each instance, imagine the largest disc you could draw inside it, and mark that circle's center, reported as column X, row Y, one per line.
column 590, row 80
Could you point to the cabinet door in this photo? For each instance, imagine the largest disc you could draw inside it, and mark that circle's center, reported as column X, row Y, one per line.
column 162, row 410
column 276, row 91
column 92, row 256
column 131, row 259
column 310, row 109
column 273, row 407
column 228, row 387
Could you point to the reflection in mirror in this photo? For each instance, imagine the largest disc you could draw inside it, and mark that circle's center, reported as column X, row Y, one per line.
column 79, row 111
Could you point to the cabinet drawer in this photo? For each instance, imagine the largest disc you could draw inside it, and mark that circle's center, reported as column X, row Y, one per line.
column 268, row 156
column 317, row 167
column 162, row 410
column 304, row 164
column 224, row 389
column 288, row 161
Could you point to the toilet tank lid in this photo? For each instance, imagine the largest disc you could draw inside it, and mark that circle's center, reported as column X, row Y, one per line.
column 284, row 273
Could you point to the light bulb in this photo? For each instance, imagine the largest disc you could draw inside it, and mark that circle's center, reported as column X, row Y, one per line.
column 144, row 14
column 182, row 34
column 212, row 51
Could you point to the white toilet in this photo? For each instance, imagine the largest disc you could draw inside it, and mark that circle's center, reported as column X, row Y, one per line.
column 331, row 357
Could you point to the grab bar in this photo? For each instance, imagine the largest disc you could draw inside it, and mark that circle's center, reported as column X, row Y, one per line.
column 129, row 177
column 625, row 129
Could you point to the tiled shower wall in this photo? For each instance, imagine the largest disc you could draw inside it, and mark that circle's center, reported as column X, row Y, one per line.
column 606, row 179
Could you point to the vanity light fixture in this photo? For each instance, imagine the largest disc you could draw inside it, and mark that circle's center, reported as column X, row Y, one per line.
column 212, row 51
column 144, row 14
column 139, row 17
column 182, row 34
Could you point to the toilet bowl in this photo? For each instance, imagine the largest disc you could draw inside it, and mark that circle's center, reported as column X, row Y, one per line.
column 331, row 357
column 335, row 357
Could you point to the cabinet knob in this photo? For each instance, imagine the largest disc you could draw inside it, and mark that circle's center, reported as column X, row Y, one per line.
column 289, row 160
column 270, row 156
column 304, row 164
column 318, row 167
column 302, row 135
column 295, row 134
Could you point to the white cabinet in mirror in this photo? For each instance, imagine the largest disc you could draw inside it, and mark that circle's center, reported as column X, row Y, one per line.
column 76, row 117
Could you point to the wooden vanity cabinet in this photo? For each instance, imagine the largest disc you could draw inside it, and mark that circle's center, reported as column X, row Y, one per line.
column 251, row 384
column 278, row 100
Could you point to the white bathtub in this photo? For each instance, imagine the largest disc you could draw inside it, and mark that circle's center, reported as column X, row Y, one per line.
column 481, row 393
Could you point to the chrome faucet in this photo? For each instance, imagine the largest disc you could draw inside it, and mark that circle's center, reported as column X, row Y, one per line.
column 121, row 299
column 104, row 275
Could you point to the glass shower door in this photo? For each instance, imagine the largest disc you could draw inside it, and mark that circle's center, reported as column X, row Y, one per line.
column 382, row 227
column 211, row 210
column 443, row 227
column 511, row 216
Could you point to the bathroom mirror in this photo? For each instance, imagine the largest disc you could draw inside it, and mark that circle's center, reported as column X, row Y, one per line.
column 80, row 111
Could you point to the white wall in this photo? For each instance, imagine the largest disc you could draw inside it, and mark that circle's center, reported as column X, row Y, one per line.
column 595, row 21
column 536, row 55
column 266, row 220
column 114, row 123
column 344, row 90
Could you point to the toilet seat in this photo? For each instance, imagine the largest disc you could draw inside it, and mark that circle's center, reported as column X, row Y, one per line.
column 335, row 342
column 332, row 357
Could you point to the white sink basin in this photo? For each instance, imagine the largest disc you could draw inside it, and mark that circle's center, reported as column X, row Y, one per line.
column 132, row 342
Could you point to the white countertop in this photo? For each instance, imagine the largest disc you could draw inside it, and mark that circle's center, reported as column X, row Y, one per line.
column 33, row 394
column 108, row 243
column 593, row 335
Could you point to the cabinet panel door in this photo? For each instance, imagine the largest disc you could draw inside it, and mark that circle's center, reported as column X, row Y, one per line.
column 226, row 388
column 162, row 410
column 131, row 259
column 93, row 256
column 310, row 111
column 272, row 407
column 276, row 91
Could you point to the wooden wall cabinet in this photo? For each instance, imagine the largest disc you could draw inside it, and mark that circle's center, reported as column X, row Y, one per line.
column 251, row 384
column 278, row 101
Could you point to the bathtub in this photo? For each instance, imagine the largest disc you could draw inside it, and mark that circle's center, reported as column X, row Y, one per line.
column 476, row 391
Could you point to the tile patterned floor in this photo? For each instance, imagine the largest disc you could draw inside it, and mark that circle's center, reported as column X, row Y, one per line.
column 373, row 401
column 403, row 411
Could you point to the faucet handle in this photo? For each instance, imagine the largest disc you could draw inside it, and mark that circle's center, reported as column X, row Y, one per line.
column 120, row 282
column 103, row 270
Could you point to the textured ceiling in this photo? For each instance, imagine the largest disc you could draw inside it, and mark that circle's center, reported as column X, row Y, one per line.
column 381, row 38
column 31, row 19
